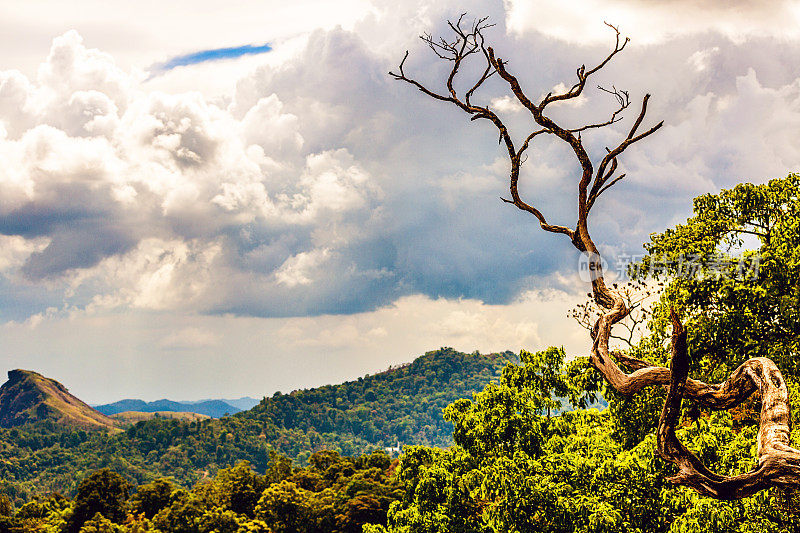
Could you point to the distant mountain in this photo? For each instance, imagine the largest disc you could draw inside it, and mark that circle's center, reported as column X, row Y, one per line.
column 30, row 397
column 242, row 404
column 212, row 408
column 600, row 403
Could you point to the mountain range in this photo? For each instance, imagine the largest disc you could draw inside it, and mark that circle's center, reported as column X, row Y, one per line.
column 49, row 448
column 212, row 408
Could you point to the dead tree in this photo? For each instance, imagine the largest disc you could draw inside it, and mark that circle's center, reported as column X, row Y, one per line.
column 779, row 463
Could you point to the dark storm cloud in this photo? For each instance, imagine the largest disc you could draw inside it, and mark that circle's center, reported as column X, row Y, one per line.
column 76, row 245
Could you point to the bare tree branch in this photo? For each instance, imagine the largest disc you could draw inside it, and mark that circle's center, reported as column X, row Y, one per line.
column 466, row 43
column 634, row 293
column 402, row 76
column 611, row 157
column 583, row 74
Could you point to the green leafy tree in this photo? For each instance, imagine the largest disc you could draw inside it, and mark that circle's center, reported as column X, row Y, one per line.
column 515, row 469
column 285, row 507
column 47, row 515
column 100, row 524
column 6, row 505
column 732, row 270
column 280, row 468
column 151, row 497
column 104, row 492
column 237, row 489
column 182, row 513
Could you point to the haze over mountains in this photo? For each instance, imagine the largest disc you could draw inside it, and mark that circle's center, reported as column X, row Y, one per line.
column 212, row 408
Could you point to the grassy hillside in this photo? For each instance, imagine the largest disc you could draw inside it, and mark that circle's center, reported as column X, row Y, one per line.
column 30, row 397
column 132, row 417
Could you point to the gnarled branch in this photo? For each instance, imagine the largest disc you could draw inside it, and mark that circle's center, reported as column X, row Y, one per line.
column 778, row 462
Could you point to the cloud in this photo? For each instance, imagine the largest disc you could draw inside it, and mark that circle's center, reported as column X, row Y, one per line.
column 506, row 104
column 299, row 269
column 216, row 54
column 651, row 22
column 322, row 186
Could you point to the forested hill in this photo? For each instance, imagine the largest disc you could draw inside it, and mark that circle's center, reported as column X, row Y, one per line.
column 400, row 404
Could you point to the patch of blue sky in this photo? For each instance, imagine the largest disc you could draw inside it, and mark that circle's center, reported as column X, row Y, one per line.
column 215, row 54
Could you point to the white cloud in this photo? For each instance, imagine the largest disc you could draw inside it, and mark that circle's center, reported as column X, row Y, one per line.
column 300, row 269
column 14, row 250
column 155, row 275
column 479, row 329
column 169, row 177
column 701, row 59
column 160, row 30
column 266, row 125
column 506, row 104
column 324, row 183
column 536, row 320
column 647, row 22
column 71, row 67
column 723, row 139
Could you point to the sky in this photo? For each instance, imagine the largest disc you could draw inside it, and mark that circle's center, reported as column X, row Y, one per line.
column 215, row 199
